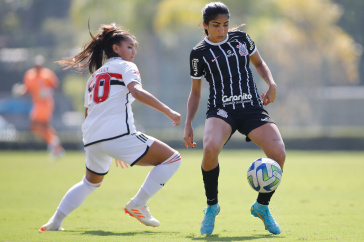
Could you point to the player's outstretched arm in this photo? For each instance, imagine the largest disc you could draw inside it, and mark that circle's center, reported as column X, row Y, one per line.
column 148, row 99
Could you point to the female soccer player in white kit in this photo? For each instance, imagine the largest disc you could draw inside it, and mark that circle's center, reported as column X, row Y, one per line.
column 108, row 129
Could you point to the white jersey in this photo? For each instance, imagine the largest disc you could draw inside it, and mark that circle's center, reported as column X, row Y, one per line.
column 108, row 100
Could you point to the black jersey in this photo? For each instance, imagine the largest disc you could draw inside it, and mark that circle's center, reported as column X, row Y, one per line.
column 225, row 66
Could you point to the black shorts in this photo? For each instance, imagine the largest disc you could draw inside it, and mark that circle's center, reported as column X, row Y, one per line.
column 242, row 120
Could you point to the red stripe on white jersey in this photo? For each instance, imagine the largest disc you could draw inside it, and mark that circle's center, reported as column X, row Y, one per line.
column 116, row 75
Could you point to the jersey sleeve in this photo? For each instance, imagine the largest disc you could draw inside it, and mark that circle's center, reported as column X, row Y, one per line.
column 131, row 74
column 196, row 65
column 251, row 45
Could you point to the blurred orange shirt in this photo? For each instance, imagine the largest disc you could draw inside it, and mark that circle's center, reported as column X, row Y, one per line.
column 40, row 83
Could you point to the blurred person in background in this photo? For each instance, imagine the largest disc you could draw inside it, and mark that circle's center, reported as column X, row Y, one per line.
column 223, row 58
column 109, row 130
column 40, row 82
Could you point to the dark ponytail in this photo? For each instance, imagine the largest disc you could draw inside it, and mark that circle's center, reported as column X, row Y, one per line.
column 212, row 10
column 92, row 55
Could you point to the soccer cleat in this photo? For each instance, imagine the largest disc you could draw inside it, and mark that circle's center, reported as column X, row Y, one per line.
column 56, row 152
column 50, row 227
column 208, row 222
column 262, row 211
column 142, row 214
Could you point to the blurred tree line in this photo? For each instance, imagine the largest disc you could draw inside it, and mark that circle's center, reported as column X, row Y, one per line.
column 306, row 43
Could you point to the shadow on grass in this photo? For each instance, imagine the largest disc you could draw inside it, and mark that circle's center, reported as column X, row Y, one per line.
column 109, row 233
column 216, row 237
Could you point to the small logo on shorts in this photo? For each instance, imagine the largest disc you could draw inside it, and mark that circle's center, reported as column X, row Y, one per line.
column 222, row 113
column 265, row 119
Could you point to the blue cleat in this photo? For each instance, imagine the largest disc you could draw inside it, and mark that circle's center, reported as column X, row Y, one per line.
column 262, row 211
column 208, row 222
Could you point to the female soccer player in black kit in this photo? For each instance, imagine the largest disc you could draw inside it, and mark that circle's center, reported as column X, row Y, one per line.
column 223, row 58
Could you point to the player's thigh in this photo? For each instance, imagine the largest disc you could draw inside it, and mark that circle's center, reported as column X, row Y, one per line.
column 138, row 149
column 157, row 153
column 269, row 139
column 39, row 127
column 216, row 133
column 41, row 113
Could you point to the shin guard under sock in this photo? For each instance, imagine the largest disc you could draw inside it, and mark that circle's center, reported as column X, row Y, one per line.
column 210, row 179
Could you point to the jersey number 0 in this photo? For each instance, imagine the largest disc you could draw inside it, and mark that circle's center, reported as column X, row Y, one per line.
column 102, row 88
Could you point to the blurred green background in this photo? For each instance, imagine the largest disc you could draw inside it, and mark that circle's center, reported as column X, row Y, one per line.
column 314, row 49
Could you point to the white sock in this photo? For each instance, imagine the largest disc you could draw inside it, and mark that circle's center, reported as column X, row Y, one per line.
column 57, row 218
column 73, row 199
column 156, row 179
column 54, row 143
column 140, row 199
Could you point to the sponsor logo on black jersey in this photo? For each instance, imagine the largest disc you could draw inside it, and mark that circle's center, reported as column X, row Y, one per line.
column 236, row 98
column 194, row 66
column 230, row 53
column 250, row 42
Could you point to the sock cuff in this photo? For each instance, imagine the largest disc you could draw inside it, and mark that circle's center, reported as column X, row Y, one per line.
column 264, row 198
column 174, row 158
column 216, row 170
column 89, row 183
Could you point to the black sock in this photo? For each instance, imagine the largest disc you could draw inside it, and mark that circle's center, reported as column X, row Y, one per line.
column 264, row 198
column 210, row 179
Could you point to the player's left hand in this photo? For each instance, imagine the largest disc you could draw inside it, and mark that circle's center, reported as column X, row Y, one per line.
column 188, row 136
column 270, row 96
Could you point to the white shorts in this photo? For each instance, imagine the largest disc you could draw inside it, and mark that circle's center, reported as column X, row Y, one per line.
column 129, row 148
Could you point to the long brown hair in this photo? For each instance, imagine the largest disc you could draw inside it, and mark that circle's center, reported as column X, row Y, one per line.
column 99, row 47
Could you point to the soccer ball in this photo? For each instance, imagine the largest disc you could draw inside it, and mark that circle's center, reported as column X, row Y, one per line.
column 264, row 175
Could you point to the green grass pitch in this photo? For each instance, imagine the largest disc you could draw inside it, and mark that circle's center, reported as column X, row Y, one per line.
column 320, row 199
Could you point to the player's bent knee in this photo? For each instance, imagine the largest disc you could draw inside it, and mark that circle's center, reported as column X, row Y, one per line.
column 169, row 167
column 280, row 158
column 211, row 148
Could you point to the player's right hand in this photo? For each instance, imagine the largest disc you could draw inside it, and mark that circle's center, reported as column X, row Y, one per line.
column 188, row 137
column 175, row 117
column 18, row 89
